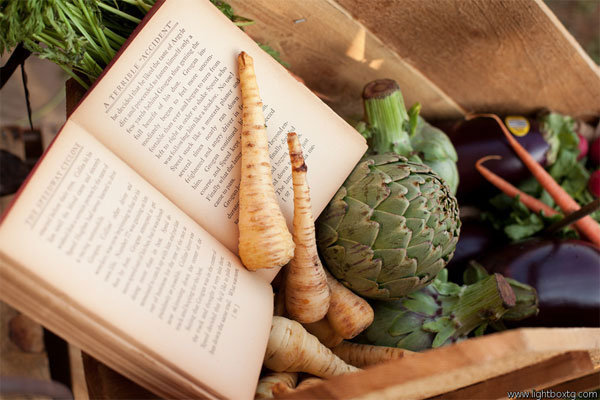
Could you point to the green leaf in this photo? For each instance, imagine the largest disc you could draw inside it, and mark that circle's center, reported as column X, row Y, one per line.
column 480, row 329
column 273, row 53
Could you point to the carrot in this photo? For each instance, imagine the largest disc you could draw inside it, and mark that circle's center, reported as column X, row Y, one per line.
column 306, row 289
column 265, row 241
column 348, row 313
column 275, row 383
column 323, row 330
column 363, row 355
column 586, row 225
column 291, row 348
column 531, row 202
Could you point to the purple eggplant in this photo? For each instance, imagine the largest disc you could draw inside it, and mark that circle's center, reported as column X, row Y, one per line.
column 476, row 238
column 565, row 273
column 480, row 137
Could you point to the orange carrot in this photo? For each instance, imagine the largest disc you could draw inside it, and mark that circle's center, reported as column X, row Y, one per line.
column 531, row 202
column 587, row 226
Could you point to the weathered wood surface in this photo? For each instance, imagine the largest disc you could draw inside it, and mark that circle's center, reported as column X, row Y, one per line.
column 500, row 56
column 548, row 356
column 336, row 55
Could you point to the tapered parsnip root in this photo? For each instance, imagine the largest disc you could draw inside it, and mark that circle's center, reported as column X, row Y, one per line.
column 279, row 302
column 308, row 382
column 348, row 314
column 306, row 289
column 291, row 348
column 363, row 355
column 265, row 241
column 324, row 332
column 275, row 383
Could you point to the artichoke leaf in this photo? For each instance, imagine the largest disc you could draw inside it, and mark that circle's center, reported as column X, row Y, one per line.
column 396, row 202
column 393, row 231
column 396, row 172
column 335, row 211
column 326, row 235
column 370, row 190
column 361, row 171
column 356, row 225
column 394, row 263
column 402, row 285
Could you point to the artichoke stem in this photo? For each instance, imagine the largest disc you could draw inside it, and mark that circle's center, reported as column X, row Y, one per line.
column 386, row 113
column 486, row 300
column 526, row 296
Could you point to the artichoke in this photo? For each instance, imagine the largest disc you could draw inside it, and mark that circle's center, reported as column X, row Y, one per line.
column 439, row 314
column 389, row 127
column 390, row 228
column 437, row 151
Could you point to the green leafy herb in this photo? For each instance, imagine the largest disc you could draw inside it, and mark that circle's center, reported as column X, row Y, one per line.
column 81, row 36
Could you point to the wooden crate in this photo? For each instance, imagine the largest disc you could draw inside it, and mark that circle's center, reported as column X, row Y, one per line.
column 454, row 57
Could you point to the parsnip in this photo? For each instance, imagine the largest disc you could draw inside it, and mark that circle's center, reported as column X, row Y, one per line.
column 291, row 348
column 306, row 289
column 265, row 241
column 279, row 302
column 363, row 355
column 324, row 332
column 308, row 382
column 348, row 314
column 275, row 383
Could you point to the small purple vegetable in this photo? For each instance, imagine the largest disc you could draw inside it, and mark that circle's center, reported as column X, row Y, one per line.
column 583, row 147
column 479, row 137
column 565, row 273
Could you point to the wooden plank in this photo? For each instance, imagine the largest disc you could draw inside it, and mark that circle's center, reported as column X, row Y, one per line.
column 559, row 368
column 582, row 384
column 78, row 384
column 501, row 56
column 466, row 363
column 336, row 55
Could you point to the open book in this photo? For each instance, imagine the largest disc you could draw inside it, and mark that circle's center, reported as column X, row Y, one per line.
column 123, row 240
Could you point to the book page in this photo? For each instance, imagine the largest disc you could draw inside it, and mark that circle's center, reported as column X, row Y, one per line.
column 170, row 107
column 122, row 252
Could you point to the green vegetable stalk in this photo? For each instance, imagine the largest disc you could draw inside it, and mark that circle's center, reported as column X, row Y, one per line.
column 390, row 127
column 386, row 114
column 526, row 304
column 439, row 314
column 81, row 36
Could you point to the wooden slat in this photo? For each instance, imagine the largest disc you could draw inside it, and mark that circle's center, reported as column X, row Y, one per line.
column 336, row 55
column 453, row 367
column 502, row 56
column 78, row 384
column 559, row 368
column 582, row 384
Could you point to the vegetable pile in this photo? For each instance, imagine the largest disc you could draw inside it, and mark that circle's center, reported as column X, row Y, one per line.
column 543, row 228
column 370, row 281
